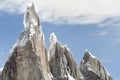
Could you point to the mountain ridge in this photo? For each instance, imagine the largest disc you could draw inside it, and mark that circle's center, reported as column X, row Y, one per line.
column 29, row 59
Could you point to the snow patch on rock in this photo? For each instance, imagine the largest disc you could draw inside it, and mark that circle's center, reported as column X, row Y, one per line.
column 107, row 72
column 70, row 77
column 86, row 50
column 53, row 40
column 67, row 48
column 1, row 69
column 30, row 17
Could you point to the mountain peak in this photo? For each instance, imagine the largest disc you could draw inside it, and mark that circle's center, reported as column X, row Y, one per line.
column 32, row 26
column 87, row 52
column 31, row 6
column 90, row 66
column 61, row 61
column 28, row 59
column 53, row 38
column 30, row 18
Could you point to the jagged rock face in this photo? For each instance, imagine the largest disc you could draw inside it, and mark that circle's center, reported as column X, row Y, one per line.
column 23, row 64
column 28, row 60
column 62, row 64
column 92, row 69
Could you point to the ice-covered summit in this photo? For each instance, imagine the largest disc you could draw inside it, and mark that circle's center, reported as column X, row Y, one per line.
column 32, row 27
column 53, row 38
column 30, row 18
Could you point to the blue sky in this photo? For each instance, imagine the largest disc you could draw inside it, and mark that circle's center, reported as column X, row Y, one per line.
column 98, row 32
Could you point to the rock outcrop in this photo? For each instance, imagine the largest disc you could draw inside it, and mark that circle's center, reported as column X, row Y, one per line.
column 92, row 69
column 28, row 58
column 62, row 64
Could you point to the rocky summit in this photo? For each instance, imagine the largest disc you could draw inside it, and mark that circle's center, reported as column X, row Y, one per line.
column 92, row 69
column 29, row 59
column 62, row 64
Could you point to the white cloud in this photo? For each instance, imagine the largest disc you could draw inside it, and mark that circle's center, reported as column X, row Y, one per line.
column 111, row 22
column 68, row 11
column 112, row 27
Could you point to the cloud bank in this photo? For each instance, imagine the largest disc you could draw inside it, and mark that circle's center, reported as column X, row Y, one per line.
column 67, row 11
